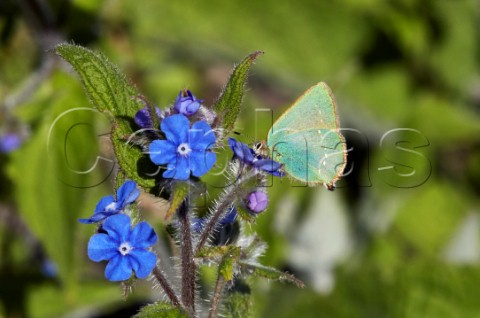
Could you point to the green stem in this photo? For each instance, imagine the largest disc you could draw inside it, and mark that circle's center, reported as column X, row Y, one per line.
column 227, row 199
column 216, row 296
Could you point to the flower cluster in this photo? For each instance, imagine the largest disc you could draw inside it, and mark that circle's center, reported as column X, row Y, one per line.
column 124, row 248
column 187, row 146
column 186, row 150
column 168, row 152
column 182, row 145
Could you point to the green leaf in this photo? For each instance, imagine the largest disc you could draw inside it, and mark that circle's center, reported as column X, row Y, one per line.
column 271, row 273
column 213, row 252
column 110, row 92
column 52, row 173
column 228, row 261
column 130, row 158
column 104, row 84
column 179, row 194
column 161, row 309
column 228, row 104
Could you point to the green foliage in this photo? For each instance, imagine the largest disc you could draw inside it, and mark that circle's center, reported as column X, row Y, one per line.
column 161, row 309
column 238, row 305
column 415, row 290
column 50, row 184
column 423, row 233
column 270, row 273
column 179, row 194
column 228, row 104
column 44, row 300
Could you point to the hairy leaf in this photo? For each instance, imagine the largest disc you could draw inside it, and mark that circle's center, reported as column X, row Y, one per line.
column 271, row 273
column 110, row 92
column 161, row 309
column 228, row 104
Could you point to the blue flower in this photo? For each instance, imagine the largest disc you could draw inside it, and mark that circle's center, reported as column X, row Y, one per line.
column 143, row 118
column 186, row 150
column 107, row 206
column 248, row 156
column 124, row 248
column 9, row 142
column 186, row 103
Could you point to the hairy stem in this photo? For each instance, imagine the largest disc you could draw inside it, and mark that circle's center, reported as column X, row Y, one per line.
column 224, row 202
column 216, row 296
column 212, row 222
column 162, row 280
column 188, row 264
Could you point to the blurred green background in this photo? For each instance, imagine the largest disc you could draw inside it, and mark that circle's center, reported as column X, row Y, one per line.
column 401, row 242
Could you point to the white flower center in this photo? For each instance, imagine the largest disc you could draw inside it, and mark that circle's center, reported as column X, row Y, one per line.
column 111, row 207
column 125, row 248
column 184, row 149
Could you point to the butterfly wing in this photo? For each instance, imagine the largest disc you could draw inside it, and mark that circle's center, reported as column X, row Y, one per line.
column 315, row 109
column 307, row 141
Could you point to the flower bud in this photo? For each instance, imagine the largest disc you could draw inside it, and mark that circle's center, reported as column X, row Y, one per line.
column 186, row 103
column 257, row 201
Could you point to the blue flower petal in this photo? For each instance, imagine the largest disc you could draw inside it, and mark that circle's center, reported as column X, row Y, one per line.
column 201, row 162
column 103, row 203
column 142, row 262
column 182, row 169
column 270, row 166
column 197, row 224
column 176, row 128
column 118, row 227
column 230, row 217
column 267, row 165
column 170, row 172
column 97, row 217
column 202, row 136
column 241, row 151
column 102, row 247
column 127, row 193
column 162, row 152
column 119, row 268
column 142, row 236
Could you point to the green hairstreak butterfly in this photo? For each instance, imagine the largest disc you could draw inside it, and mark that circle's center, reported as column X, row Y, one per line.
column 306, row 139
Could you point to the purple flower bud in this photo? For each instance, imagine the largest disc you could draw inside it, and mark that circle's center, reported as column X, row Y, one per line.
column 186, row 103
column 143, row 119
column 9, row 142
column 257, row 201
